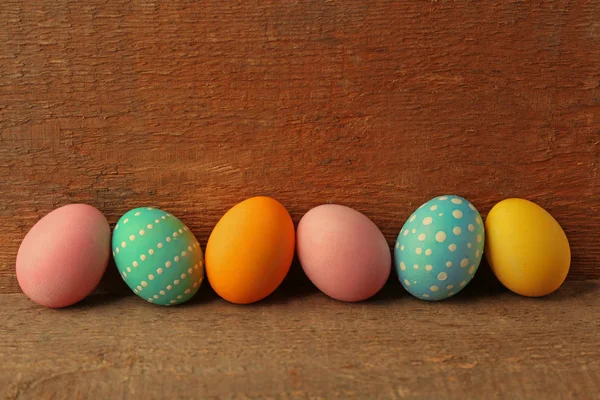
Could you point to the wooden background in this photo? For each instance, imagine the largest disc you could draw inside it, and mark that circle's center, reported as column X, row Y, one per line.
column 380, row 105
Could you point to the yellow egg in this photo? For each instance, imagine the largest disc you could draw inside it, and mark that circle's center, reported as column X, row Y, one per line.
column 526, row 248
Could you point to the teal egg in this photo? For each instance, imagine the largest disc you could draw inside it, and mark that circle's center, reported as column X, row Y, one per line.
column 439, row 248
column 157, row 256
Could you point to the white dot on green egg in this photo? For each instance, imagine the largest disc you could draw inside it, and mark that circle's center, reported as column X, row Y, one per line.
column 425, row 295
column 456, row 201
column 176, row 259
column 402, row 248
column 478, row 238
column 427, row 221
column 169, row 287
column 451, row 294
column 472, row 270
column 163, row 217
column 150, row 299
column 422, row 237
column 159, row 271
column 449, row 287
column 135, row 291
column 137, row 214
column 176, row 282
column 159, row 245
column 173, row 301
column 463, row 283
column 126, row 220
column 190, row 248
column 132, row 237
column 433, row 208
column 128, row 269
column 181, row 231
column 142, row 232
column 452, row 247
column 469, row 245
column 406, row 232
column 124, row 274
column 448, row 264
column 123, row 244
column 151, row 251
column 195, row 266
column 190, row 271
column 406, row 282
column 151, row 277
column 397, row 245
column 195, row 284
column 179, row 296
column 155, row 296
column 443, row 198
column 457, row 214
column 414, row 230
column 116, row 227
column 139, row 287
column 464, row 262
column 184, row 253
column 441, row 214
column 149, row 226
column 412, row 218
column 457, row 231
column 472, row 207
column 477, row 253
column 418, row 250
column 183, row 276
column 428, row 267
column 478, row 220
column 144, row 284
column 428, row 252
column 416, row 266
column 143, row 257
column 114, row 255
column 162, row 292
column 402, row 266
column 442, row 276
column 168, row 264
column 175, row 234
column 440, row 236
column 187, row 291
column 471, row 228
column 168, row 239
column 117, row 250
column 434, row 288
column 157, row 221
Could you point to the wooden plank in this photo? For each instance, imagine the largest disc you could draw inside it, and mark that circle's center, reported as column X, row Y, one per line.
column 300, row 344
column 194, row 106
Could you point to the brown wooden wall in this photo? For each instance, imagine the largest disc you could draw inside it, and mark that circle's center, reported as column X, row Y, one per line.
column 380, row 105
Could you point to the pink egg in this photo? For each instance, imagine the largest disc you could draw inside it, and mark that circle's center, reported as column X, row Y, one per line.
column 64, row 255
column 343, row 252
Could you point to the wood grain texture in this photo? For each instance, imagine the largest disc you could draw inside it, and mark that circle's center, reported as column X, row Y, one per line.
column 194, row 106
column 488, row 344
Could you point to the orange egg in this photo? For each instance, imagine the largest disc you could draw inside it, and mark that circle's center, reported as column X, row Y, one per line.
column 250, row 250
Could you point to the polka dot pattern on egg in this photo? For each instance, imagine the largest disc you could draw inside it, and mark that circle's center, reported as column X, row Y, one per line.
column 443, row 240
column 157, row 256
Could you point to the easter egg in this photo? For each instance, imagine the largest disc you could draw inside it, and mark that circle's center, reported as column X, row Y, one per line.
column 439, row 248
column 250, row 250
column 343, row 252
column 64, row 255
column 158, row 257
column 526, row 248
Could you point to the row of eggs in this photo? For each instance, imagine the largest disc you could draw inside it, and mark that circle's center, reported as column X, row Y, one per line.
column 250, row 251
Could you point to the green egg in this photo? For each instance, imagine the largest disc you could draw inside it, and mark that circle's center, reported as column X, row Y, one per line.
column 157, row 256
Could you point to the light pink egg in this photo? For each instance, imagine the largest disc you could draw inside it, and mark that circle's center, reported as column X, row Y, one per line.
column 64, row 255
column 343, row 252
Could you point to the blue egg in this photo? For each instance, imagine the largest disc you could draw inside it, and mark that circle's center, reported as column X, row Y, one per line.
column 439, row 248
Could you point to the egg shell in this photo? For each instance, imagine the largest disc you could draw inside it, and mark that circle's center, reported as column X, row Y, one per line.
column 343, row 252
column 439, row 248
column 64, row 255
column 250, row 250
column 157, row 256
column 526, row 248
